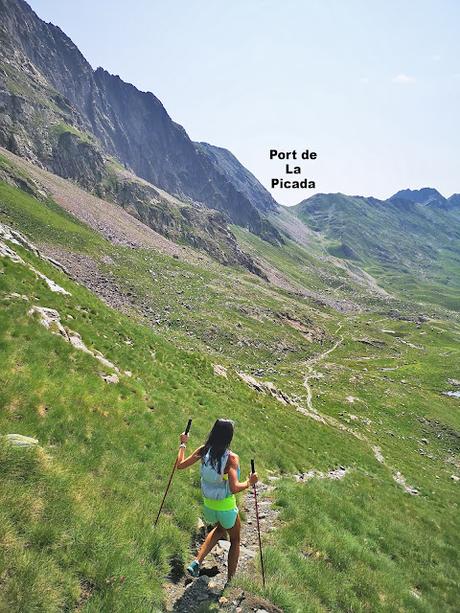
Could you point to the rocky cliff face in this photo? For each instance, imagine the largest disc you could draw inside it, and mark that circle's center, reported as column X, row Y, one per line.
column 37, row 121
column 227, row 164
column 145, row 139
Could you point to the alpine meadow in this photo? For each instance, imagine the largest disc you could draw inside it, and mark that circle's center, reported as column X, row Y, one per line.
column 146, row 279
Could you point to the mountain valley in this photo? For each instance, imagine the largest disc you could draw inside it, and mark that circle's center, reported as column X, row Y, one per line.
column 146, row 279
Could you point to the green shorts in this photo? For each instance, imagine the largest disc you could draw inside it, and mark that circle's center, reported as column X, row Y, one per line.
column 226, row 519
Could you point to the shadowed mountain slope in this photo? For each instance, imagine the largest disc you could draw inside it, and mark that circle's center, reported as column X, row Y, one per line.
column 226, row 163
column 131, row 125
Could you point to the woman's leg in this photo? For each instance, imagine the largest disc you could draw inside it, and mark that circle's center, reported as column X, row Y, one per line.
column 216, row 534
column 234, row 552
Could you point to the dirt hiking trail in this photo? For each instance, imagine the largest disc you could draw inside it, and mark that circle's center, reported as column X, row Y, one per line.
column 187, row 595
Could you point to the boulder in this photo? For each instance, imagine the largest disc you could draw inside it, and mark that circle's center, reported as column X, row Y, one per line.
column 19, row 440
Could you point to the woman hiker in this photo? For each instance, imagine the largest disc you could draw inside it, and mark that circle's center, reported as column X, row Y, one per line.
column 220, row 473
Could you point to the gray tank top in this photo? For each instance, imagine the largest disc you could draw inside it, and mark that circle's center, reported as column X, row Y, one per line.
column 214, row 485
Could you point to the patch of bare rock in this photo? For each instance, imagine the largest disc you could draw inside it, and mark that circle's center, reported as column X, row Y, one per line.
column 266, row 387
column 51, row 320
column 401, row 480
column 16, row 238
column 335, row 475
column 19, row 440
column 219, row 370
column 378, row 454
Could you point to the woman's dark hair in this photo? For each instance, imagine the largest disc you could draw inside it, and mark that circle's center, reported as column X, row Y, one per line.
column 218, row 442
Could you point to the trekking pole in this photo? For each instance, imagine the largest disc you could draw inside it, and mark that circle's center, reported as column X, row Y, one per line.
column 253, row 470
column 187, row 430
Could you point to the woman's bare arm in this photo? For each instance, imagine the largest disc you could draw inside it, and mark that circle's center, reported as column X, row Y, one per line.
column 183, row 462
column 236, row 485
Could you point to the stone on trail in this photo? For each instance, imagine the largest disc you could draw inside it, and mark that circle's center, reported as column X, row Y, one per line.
column 225, row 545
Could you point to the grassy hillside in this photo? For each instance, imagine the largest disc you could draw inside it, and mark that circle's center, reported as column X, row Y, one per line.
column 405, row 245
column 76, row 511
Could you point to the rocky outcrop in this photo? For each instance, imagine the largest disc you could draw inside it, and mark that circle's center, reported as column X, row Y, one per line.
column 401, row 480
column 16, row 238
column 266, row 387
column 202, row 228
column 75, row 158
column 51, row 320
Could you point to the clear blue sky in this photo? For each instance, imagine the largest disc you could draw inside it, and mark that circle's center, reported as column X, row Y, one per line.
column 372, row 86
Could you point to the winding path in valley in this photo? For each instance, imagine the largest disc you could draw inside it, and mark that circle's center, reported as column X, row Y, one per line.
column 310, row 411
column 311, row 373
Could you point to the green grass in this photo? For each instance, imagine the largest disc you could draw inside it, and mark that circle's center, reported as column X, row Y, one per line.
column 46, row 221
column 59, row 129
column 109, row 449
column 355, row 534
column 410, row 248
column 76, row 513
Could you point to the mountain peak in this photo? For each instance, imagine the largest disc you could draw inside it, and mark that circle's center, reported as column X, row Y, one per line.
column 454, row 200
column 425, row 195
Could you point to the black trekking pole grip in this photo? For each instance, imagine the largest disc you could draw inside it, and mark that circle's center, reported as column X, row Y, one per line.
column 253, row 469
column 189, row 425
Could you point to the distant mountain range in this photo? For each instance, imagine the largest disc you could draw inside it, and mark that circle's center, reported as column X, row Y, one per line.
column 414, row 233
column 427, row 196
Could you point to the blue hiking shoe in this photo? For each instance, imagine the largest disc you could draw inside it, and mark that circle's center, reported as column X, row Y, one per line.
column 194, row 569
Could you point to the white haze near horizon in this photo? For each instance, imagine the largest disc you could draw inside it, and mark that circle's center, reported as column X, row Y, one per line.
column 372, row 87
